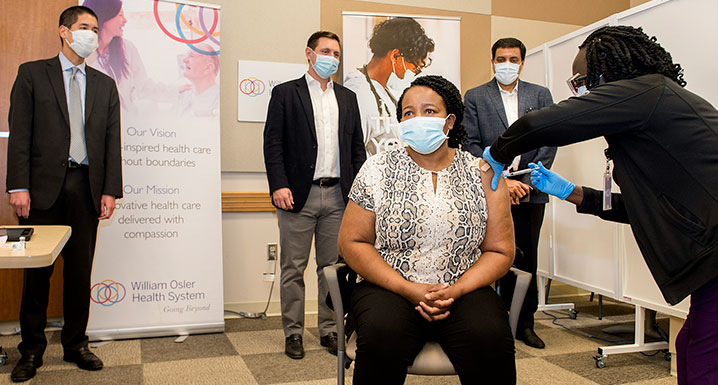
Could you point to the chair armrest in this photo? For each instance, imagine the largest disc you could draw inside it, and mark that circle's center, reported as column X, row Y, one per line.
column 523, row 280
column 330, row 274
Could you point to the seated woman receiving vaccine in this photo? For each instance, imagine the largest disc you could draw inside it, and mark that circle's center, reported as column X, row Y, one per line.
column 428, row 236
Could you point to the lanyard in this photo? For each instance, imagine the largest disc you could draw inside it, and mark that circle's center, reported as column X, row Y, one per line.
column 379, row 103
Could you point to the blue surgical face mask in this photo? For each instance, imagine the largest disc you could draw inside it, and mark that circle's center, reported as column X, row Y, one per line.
column 506, row 73
column 423, row 134
column 325, row 66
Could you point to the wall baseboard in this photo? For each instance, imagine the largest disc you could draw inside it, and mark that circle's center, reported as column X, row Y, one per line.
column 310, row 307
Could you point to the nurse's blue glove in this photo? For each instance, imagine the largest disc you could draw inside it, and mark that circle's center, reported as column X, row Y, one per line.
column 550, row 182
column 496, row 166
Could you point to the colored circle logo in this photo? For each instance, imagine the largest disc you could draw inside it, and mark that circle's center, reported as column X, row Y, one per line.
column 251, row 87
column 187, row 18
column 107, row 292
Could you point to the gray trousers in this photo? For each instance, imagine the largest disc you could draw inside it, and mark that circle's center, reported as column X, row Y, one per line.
column 320, row 219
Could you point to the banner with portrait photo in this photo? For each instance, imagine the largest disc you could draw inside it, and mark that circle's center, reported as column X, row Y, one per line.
column 383, row 53
column 158, row 262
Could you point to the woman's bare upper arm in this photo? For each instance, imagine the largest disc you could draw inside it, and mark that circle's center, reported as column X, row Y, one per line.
column 357, row 226
column 499, row 227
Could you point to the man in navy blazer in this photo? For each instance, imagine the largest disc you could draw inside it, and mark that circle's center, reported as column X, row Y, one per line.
column 313, row 149
column 490, row 110
column 64, row 167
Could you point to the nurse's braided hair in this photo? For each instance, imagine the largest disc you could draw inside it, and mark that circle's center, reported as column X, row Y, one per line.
column 624, row 52
column 452, row 99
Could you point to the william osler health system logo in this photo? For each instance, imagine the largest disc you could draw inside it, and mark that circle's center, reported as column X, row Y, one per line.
column 107, row 292
column 110, row 292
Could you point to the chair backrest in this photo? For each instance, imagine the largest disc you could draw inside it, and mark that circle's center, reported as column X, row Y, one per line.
column 431, row 360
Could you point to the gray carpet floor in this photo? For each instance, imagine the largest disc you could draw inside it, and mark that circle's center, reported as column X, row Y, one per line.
column 250, row 351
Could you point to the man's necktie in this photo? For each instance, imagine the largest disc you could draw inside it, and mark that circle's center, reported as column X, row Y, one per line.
column 78, row 150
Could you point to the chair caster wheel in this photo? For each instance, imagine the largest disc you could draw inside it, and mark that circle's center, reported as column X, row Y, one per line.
column 572, row 313
column 600, row 363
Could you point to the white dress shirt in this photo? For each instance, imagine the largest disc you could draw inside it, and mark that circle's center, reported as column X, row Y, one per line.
column 326, row 123
column 511, row 107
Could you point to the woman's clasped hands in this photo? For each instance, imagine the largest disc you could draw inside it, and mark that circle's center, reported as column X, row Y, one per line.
column 432, row 300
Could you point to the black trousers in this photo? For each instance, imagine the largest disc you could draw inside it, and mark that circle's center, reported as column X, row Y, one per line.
column 390, row 333
column 528, row 218
column 74, row 207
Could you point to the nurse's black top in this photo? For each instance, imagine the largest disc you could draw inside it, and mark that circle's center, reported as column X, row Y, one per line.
column 663, row 140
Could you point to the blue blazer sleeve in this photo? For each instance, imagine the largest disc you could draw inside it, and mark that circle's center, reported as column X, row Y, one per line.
column 474, row 142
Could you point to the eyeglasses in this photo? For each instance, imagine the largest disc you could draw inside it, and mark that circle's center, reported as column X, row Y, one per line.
column 418, row 68
column 578, row 84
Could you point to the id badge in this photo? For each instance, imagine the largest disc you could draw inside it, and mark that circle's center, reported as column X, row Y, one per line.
column 607, row 191
column 607, row 181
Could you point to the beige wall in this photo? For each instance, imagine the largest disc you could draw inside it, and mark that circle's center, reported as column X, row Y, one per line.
column 268, row 30
column 638, row 2
column 473, row 6
column 582, row 12
column 532, row 33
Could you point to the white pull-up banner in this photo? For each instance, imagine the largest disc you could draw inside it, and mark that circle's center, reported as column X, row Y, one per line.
column 158, row 263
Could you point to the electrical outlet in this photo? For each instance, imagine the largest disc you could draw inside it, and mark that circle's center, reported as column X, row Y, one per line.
column 271, row 251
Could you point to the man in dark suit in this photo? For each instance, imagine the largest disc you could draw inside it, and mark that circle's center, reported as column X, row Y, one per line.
column 63, row 168
column 313, row 149
column 490, row 110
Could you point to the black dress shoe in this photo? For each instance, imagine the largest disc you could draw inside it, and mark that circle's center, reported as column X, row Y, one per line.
column 84, row 359
column 529, row 337
column 25, row 368
column 293, row 347
column 330, row 342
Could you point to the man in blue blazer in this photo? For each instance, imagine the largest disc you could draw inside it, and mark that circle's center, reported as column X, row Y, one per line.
column 490, row 110
column 313, row 149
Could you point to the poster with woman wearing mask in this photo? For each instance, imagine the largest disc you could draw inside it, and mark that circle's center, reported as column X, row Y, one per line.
column 383, row 55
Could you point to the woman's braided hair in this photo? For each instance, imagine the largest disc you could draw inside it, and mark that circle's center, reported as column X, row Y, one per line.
column 452, row 99
column 623, row 52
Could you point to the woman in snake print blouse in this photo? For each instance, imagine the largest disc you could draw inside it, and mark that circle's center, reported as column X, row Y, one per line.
column 428, row 236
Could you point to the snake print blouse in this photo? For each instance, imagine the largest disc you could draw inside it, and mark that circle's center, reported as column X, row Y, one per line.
column 426, row 236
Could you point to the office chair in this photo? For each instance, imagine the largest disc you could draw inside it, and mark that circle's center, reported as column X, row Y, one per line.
column 431, row 360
